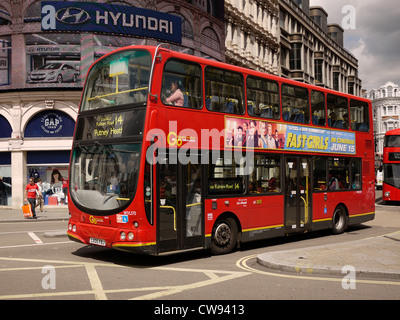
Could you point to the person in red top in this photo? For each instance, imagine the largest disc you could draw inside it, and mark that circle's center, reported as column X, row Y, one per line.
column 30, row 195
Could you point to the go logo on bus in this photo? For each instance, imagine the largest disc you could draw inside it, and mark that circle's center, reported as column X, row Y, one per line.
column 94, row 220
column 173, row 139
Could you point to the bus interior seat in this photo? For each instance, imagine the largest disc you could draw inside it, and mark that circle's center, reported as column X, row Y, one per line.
column 315, row 119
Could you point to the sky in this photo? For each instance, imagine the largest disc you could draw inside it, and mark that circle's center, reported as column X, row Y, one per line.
column 372, row 34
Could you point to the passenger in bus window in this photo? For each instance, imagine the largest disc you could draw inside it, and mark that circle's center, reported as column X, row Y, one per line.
column 176, row 97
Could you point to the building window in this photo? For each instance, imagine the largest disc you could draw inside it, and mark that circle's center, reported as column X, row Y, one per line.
column 295, row 56
column 336, row 81
column 210, row 39
column 318, row 71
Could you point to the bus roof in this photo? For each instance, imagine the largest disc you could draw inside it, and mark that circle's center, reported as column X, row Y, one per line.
column 394, row 132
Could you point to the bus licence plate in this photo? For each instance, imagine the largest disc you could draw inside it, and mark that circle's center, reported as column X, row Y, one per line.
column 97, row 242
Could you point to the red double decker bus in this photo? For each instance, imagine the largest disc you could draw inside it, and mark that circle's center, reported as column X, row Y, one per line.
column 391, row 166
column 174, row 152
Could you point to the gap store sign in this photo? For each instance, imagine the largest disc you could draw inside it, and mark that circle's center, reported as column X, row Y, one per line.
column 108, row 18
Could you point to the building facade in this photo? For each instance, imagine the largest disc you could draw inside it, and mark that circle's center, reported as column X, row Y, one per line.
column 252, row 34
column 312, row 51
column 46, row 49
column 386, row 112
column 290, row 39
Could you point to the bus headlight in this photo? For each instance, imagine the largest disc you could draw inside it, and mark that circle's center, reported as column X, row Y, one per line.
column 387, row 194
column 74, row 228
column 122, row 236
column 70, row 227
column 130, row 236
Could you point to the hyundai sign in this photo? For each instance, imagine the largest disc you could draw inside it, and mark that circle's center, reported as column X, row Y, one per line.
column 106, row 18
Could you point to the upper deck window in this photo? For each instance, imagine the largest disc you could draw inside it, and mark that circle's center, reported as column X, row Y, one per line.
column 224, row 91
column 295, row 106
column 338, row 116
column 318, row 108
column 262, row 98
column 181, row 84
column 119, row 79
column 359, row 115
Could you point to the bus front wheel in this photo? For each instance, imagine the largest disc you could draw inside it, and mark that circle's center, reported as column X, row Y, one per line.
column 339, row 220
column 224, row 236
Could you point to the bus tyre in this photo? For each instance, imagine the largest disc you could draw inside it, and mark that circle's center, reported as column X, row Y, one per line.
column 224, row 236
column 339, row 220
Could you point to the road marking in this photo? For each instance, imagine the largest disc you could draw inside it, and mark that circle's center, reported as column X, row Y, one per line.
column 213, row 277
column 35, row 238
column 242, row 264
column 33, row 245
column 95, row 282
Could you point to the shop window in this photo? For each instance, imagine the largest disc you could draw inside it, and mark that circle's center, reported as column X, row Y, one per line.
column 48, row 124
column 5, row 178
column 6, row 129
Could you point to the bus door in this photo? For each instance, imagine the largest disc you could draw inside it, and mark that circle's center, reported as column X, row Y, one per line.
column 297, row 193
column 180, row 207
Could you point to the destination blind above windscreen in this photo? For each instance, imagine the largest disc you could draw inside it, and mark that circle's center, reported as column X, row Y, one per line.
column 111, row 125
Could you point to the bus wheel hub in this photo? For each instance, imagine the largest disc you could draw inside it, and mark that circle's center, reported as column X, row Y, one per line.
column 222, row 234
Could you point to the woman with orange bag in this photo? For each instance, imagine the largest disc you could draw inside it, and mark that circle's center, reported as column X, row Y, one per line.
column 30, row 195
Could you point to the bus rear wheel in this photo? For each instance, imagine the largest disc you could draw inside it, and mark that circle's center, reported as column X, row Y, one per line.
column 339, row 220
column 224, row 236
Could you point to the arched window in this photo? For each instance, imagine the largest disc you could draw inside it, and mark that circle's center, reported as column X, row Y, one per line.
column 49, row 124
column 6, row 129
column 210, row 39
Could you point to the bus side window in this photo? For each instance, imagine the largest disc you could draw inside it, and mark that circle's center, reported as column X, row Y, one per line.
column 356, row 174
column 318, row 108
column 320, row 174
column 265, row 178
column 182, row 84
column 224, row 91
column 263, row 98
column 339, row 171
column 338, row 116
column 359, row 115
column 295, row 104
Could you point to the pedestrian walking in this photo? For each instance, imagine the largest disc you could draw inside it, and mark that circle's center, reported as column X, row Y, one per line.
column 30, row 195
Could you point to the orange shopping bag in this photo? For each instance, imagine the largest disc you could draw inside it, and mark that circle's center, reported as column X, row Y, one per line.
column 27, row 210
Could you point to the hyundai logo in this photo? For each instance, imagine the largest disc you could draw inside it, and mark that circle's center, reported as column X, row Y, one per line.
column 72, row 15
